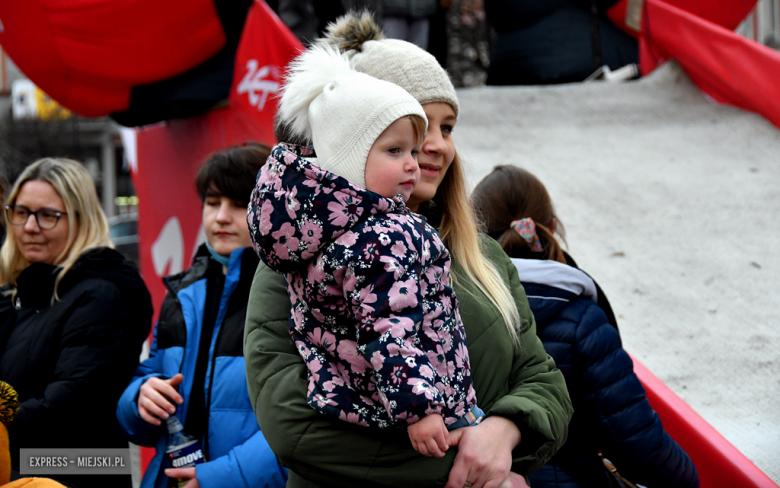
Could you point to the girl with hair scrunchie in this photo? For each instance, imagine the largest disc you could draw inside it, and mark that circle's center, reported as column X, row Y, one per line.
column 612, row 415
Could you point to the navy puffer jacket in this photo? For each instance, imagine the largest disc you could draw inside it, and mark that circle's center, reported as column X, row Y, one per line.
column 611, row 412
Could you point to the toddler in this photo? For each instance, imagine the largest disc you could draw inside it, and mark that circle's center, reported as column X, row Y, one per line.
column 373, row 313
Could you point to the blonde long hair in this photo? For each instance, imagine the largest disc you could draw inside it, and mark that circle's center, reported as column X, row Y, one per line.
column 87, row 223
column 458, row 230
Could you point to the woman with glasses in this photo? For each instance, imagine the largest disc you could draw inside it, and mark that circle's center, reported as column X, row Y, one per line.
column 73, row 316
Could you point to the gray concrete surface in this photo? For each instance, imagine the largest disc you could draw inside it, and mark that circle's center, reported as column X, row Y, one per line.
column 672, row 202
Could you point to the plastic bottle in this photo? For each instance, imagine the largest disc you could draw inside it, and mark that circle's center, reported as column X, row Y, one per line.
column 182, row 451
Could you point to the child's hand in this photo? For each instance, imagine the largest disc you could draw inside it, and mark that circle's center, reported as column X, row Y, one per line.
column 429, row 436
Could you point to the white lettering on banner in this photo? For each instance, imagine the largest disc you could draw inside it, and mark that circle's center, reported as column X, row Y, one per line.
column 256, row 86
column 168, row 249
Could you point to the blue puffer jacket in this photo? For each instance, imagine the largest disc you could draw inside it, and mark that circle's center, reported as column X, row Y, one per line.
column 611, row 412
column 238, row 454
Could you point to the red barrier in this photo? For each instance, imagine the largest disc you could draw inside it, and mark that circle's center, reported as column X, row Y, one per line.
column 726, row 66
column 720, row 464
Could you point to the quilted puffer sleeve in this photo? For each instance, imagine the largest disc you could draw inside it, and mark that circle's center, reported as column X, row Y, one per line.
column 538, row 400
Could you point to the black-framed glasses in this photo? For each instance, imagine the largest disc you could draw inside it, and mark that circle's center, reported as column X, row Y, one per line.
column 45, row 217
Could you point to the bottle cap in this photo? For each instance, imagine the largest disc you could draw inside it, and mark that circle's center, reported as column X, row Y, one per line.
column 174, row 425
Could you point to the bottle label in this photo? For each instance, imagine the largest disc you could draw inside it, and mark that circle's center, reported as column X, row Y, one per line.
column 185, row 456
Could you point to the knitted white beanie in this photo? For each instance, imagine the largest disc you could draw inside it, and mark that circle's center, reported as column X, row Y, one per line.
column 340, row 110
column 393, row 60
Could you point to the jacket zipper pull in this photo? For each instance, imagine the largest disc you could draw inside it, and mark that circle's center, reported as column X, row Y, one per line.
column 18, row 303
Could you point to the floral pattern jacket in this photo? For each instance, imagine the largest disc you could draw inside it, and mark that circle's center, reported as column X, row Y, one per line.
column 373, row 313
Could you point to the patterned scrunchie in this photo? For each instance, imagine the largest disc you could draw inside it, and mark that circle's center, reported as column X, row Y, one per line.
column 527, row 230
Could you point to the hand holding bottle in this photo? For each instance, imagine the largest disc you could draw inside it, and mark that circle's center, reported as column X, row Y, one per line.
column 184, row 474
column 156, row 396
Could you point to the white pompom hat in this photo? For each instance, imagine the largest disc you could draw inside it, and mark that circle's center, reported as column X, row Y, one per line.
column 341, row 110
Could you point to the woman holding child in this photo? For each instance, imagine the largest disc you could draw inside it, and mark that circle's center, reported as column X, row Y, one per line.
column 517, row 386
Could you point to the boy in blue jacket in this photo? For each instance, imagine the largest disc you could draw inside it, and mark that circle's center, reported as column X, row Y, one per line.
column 196, row 367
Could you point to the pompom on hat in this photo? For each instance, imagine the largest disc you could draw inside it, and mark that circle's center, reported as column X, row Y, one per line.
column 393, row 60
column 340, row 110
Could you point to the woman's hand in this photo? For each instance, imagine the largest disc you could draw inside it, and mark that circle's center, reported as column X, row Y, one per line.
column 184, row 474
column 155, row 396
column 484, row 454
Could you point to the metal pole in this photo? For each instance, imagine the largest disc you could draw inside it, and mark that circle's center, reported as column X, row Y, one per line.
column 109, row 174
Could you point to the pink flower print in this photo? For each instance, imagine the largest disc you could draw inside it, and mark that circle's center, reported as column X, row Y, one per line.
column 383, row 205
column 265, row 217
column 403, row 295
column 422, row 387
column 332, row 383
column 289, row 157
column 366, row 299
column 315, row 272
column 426, row 371
column 439, row 362
column 409, row 417
column 322, row 338
column 338, row 370
column 398, row 326
column 314, row 366
column 401, row 326
column 370, row 252
column 378, row 228
column 384, row 239
column 315, row 185
column 323, row 401
column 303, row 350
column 318, row 316
column 285, row 241
column 347, row 239
column 461, row 356
column 311, row 235
column 345, row 210
column 446, row 303
column 347, row 351
column 398, row 250
column 291, row 203
column 377, row 360
column 397, row 376
column 297, row 317
column 404, row 351
column 392, row 266
column 426, row 253
column 433, row 274
column 352, row 418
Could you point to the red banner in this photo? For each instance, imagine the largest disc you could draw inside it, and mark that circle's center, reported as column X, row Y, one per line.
column 627, row 14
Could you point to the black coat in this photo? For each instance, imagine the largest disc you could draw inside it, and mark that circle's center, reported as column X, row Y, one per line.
column 70, row 361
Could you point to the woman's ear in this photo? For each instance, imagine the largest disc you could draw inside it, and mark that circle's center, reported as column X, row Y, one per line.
column 553, row 225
